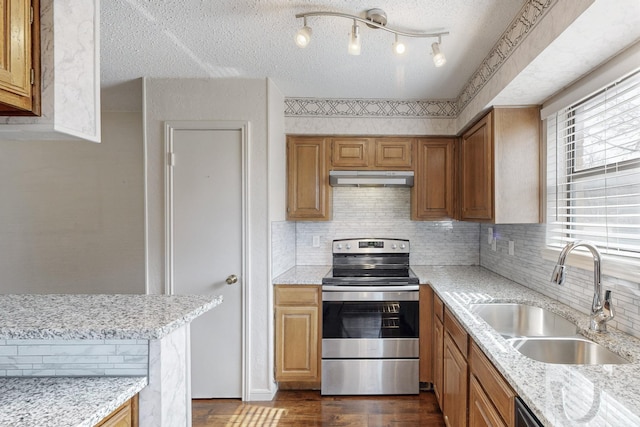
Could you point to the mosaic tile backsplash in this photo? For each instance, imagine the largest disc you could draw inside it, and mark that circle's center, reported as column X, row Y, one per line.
column 381, row 212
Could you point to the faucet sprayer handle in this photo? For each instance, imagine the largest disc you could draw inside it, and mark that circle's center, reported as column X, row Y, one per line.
column 607, row 306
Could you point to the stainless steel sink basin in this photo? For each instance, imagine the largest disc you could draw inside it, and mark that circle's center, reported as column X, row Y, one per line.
column 566, row 350
column 520, row 320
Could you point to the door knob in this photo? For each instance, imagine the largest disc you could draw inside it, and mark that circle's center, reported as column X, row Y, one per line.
column 232, row 279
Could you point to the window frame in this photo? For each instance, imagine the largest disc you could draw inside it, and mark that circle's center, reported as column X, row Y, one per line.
column 620, row 266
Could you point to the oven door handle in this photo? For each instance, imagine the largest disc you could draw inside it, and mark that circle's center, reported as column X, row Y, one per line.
column 392, row 288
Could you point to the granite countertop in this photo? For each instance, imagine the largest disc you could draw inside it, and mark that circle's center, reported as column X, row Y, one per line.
column 559, row 395
column 63, row 401
column 58, row 316
column 303, row 275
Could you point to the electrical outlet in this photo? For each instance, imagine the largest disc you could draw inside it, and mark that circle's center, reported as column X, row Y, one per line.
column 512, row 247
column 316, row 241
column 490, row 236
column 494, row 245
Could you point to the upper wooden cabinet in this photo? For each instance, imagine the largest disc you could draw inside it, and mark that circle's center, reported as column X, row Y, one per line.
column 19, row 58
column 308, row 190
column 432, row 195
column 391, row 153
column 69, row 55
column 350, row 152
column 499, row 167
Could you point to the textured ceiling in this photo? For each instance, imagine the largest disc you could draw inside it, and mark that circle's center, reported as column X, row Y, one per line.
column 254, row 38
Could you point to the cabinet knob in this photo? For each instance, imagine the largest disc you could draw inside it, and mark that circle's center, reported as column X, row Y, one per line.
column 232, row 279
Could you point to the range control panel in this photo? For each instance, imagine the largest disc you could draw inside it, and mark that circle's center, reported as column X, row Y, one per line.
column 371, row 246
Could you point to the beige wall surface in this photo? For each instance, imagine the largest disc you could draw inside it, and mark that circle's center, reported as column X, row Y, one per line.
column 71, row 213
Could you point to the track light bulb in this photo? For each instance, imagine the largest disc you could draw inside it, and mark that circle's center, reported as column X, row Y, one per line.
column 438, row 57
column 398, row 47
column 354, row 41
column 303, row 36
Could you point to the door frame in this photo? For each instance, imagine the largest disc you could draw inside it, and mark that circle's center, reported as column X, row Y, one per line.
column 170, row 127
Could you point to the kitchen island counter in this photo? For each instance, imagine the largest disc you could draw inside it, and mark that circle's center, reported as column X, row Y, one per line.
column 63, row 401
column 560, row 395
column 66, row 316
column 105, row 336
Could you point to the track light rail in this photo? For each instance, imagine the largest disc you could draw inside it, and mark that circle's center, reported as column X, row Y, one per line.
column 375, row 24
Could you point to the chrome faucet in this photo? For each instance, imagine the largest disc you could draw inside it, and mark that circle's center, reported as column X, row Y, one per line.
column 601, row 312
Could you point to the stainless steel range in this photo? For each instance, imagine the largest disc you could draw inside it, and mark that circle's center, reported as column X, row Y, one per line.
column 370, row 319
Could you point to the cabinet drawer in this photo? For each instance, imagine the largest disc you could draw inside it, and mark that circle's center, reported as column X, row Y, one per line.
column 502, row 396
column 297, row 295
column 438, row 307
column 456, row 331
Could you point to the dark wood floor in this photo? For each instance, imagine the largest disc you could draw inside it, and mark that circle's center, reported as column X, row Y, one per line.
column 308, row 408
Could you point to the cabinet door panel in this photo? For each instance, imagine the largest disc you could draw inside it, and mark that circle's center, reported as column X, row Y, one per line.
column 15, row 53
column 433, row 191
column 350, row 153
column 476, row 156
column 426, row 334
column 455, row 380
column 438, row 359
column 308, row 190
column 296, row 343
column 393, row 153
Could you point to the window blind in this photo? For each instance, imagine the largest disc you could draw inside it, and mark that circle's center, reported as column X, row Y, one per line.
column 593, row 170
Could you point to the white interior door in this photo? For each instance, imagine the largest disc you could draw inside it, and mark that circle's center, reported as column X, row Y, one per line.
column 205, row 247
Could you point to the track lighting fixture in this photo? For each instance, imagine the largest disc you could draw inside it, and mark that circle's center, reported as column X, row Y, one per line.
column 376, row 19
column 398, row 47
column 354, row 42
column 303, row 36
column 438, row 57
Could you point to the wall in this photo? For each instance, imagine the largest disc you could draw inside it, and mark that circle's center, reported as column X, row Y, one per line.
column 221, row 99
column 71, row 218
column 529, row 268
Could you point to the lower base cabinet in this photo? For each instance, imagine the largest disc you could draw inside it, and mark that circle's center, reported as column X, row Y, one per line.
column 297, row 339
column 454, row 399
column 481, row 410
column 125, row 416
column 470, row 390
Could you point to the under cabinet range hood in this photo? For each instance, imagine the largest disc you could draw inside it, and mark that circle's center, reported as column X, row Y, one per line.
column 371, row 178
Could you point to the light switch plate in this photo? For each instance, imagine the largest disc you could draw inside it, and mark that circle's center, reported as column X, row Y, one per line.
column 494, row 245
column 316, row 241
column 512, row 247
column 490, row 236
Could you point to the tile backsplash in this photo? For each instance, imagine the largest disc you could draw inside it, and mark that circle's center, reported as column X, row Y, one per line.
column 382, row 212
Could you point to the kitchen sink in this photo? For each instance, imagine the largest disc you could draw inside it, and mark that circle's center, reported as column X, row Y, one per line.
column 566, row 350
column 521, row 320
column 543, row 335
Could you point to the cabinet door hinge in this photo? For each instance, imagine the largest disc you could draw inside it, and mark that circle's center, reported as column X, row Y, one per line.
column 33, row 76
column 171, row 159
column 31, row 15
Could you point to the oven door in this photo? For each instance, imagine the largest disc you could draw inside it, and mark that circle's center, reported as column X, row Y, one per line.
column 367, row 322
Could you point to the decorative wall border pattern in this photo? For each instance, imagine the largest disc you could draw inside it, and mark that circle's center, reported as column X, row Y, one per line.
column 519, row 28
column 314, row 107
